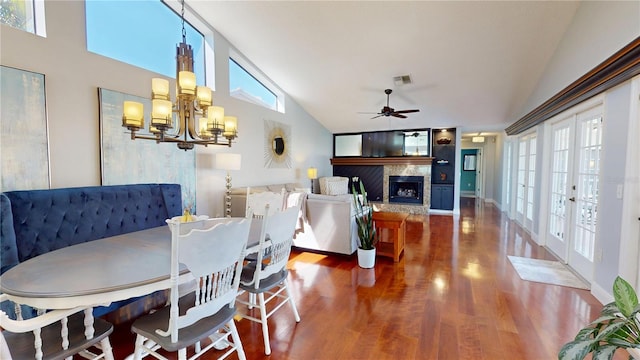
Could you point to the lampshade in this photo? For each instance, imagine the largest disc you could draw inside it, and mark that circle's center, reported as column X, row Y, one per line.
column 161, row 113
column 203, row 94
column 133, row 114
column 216, row 119
column 202, row 128
column 228, row 161
column 187, row 83
column 230, row 126
column 160, row 89
column 312, row 173
column 477, row 139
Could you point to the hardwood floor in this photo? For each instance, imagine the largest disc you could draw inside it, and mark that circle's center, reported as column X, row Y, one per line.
column 453, row 295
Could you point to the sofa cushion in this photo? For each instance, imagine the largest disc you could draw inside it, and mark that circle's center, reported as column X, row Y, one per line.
column 338, row 187
column 334, row 185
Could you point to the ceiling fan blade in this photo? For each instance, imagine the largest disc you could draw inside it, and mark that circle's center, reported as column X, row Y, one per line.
column 369, row 113
column 377, row 116
column 395, row 114
column 406, row 111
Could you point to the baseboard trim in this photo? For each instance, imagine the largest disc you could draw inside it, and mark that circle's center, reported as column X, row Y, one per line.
column 601, row 294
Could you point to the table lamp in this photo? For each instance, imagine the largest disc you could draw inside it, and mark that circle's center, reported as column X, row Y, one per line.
column 228, row 162
column 312, row 174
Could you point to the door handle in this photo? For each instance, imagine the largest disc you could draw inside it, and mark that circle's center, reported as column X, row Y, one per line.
column 572, row 199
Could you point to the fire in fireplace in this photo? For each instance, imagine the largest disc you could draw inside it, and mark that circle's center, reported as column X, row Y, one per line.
column 406, row 189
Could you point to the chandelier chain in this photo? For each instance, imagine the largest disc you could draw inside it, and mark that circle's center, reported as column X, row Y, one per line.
column 184, row 32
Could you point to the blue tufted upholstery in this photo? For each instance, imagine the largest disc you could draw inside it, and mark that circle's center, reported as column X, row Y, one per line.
column 34, row 222
column 8, row 248
column 46, row 220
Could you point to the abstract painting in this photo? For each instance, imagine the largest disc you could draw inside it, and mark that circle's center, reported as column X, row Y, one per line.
column 24, row 145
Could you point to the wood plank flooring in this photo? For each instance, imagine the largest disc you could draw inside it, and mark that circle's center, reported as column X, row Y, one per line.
column 453, row 295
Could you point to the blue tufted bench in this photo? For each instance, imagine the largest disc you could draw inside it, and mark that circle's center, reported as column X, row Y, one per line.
column 34, row 222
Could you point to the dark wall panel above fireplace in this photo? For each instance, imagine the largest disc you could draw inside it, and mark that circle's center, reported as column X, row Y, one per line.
column 371, row 176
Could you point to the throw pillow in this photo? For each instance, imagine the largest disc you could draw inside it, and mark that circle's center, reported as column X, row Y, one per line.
column 338, row 187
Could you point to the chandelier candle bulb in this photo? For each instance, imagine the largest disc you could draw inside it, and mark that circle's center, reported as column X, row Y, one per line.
column 160, row 89
column 186, row 83
column 133, row 115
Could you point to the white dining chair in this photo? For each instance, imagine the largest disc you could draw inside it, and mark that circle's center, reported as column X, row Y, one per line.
column 53, row 334
column 213, row 256
column 257, row 201
column 268, row 274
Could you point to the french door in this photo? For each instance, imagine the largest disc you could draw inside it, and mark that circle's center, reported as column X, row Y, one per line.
column 525, row 186
column 573, row 202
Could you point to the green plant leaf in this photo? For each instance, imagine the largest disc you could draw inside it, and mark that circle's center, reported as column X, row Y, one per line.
column 576, row 350
column 610, row 309
column 586, row 333
column 608, row 331
column 625, row 296
column 604, row 352
column 603, row 319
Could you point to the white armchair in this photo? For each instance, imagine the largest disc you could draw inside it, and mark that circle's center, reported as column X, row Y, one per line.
column 329, row 224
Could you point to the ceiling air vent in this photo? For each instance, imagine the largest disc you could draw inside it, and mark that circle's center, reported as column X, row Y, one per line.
column 402, row 80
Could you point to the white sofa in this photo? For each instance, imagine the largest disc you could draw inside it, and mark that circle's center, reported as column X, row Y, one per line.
column 327, row 223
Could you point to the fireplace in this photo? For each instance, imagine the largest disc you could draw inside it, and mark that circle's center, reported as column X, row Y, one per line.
column 406, row 189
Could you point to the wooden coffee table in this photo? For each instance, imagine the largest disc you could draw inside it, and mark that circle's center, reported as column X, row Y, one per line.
column 396, row 223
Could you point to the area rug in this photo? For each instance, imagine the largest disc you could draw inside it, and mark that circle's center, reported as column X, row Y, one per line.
column 546, row 271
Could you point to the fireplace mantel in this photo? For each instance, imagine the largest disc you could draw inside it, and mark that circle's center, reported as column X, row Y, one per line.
column 401, row 160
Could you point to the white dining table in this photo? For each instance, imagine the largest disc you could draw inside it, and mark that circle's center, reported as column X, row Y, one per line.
column 99, row 272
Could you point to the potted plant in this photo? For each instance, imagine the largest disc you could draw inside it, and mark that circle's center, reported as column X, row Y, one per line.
column 617, row 327
column 366, row 230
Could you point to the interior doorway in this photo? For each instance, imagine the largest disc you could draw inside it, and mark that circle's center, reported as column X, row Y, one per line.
column 468, row 173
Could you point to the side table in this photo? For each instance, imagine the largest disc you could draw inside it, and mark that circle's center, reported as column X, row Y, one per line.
column 396, row 223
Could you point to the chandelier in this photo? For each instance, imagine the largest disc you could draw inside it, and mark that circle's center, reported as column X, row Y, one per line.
column 198, row 121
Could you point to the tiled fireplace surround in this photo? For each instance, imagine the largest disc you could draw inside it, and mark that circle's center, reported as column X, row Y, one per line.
column 406, row 170
column 397, row 167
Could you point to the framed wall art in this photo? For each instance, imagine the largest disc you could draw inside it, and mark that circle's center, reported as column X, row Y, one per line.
column 24, row 140
column 277, row 145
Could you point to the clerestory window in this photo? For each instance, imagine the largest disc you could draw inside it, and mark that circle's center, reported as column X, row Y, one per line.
column 143, row 34
column 26, row 15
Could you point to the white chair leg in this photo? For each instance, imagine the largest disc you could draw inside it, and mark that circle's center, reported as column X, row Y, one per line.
column 291, row 301
column 182, row 354
column 236, row 340
column 198, row 347
column 265, row 327
column 107, row 351
column 252, row 300
column 137, row 351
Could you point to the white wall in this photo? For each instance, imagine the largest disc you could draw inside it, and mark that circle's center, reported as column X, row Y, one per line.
column 598, row 30
column 72, row 76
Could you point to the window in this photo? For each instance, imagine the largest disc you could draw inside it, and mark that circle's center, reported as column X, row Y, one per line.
column 26, row 15
column 142, row 33
column 244, row 86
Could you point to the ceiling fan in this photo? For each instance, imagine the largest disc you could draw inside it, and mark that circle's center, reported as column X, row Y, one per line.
column 389, row 111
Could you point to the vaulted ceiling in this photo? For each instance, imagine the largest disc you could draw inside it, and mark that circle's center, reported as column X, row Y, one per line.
column 473, row 64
